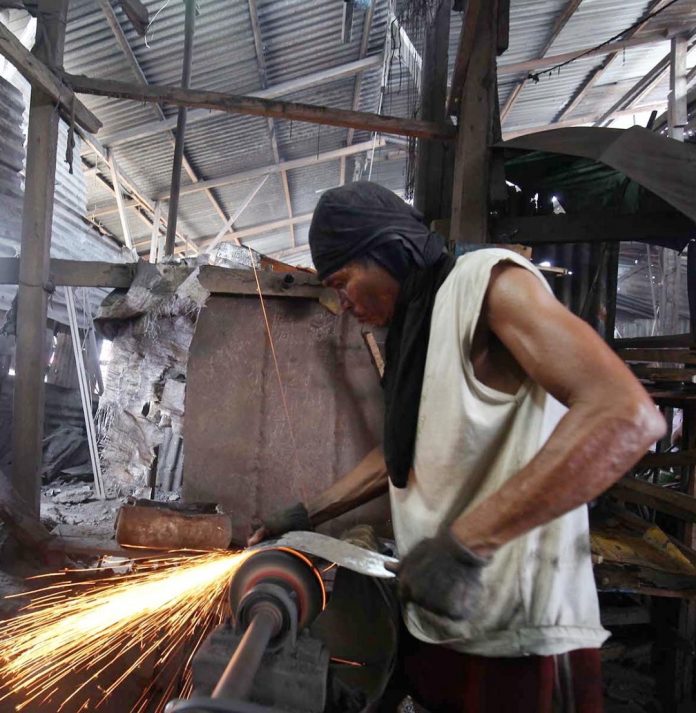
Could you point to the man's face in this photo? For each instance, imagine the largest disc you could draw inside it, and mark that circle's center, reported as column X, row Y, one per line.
column 367, row 291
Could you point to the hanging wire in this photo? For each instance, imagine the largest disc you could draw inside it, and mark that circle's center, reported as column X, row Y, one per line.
column 535, row 76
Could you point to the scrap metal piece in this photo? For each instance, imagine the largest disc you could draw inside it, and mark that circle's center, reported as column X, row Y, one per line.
column 342, row 553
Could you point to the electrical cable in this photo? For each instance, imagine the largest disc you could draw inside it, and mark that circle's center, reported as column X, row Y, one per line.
column 535, row 76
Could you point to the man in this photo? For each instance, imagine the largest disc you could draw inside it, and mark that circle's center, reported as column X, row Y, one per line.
column 504, row 415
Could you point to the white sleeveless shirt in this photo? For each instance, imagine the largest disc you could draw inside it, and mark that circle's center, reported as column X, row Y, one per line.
column 539, row 593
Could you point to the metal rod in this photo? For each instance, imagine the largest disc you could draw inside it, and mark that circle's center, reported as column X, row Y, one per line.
column 190, row 25
column 238, row 678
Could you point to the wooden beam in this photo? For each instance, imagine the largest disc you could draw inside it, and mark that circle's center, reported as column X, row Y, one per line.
column 252, row 106
column 220, row 280
column 539, row 64
column 478, row 130
column 119, row 203
column 636, row 92
column 408, row 54
column 146, row 206
column 315, row 79
column 561, row 21
column 670, row 502
column 38, row 74
column 675, row 356
column 591, row 228
column 433, row 195
column 662, row 341
column 675, row 459
column 37, row 218
column 580, row 120
column 677, row 112
column 154, row 236
column 261, row 171
column 467, row 40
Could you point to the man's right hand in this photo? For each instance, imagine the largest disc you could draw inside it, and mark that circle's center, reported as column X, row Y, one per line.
column 295, row 517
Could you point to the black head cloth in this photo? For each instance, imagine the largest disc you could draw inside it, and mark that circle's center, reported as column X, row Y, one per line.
column 358, row 219
column 366, row 219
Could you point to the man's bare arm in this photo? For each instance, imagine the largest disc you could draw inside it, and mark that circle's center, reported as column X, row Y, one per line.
column 367, row 481
column 610, row 423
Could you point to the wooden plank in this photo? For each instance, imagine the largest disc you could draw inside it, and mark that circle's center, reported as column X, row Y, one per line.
column 591, row 227
column 307, row 81
column 432, row 195
column 31, row 358
column 261, row 171
column 467, row 40
column 561, row 21
column 650, row 373
column 253, row 106
column 666, row 341
column 670, row 502
column 222, row 280
column 540, row 63
column 677, row 113
column 40, row 77
column 478, row 130
column 668, row 460
column 675, row 356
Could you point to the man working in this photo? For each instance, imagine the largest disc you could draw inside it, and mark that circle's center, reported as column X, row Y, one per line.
column 504, row 415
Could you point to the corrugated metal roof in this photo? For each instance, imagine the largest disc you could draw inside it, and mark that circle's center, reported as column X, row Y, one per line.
column 298, row 39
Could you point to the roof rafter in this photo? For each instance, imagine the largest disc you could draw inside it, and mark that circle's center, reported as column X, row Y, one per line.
column 561, row 21
column 276, row 90
column 597, row 73
column 263, row 77
column 127, row 50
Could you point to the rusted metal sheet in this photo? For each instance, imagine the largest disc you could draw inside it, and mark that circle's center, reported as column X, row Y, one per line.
column 240, row 449
column 156, row 528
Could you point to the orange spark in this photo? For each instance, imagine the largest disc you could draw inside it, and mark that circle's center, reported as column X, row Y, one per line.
column 70, row 633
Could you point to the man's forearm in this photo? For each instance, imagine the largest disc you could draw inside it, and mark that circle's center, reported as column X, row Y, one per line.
column 365, row 482
column 590, row 449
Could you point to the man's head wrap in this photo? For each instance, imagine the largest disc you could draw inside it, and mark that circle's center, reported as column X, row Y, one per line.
column 365, row 219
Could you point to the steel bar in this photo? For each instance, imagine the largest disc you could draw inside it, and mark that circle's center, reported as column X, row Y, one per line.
column 238, row 677
column 190, row 26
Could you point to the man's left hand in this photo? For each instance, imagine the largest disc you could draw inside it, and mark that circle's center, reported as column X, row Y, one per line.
column 441, row 575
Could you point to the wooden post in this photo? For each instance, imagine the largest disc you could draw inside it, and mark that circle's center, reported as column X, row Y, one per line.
column 120, row 204
column 37, row 218
column 677, row 114
column 434, row 159
column 190, row 25
column 478, row 128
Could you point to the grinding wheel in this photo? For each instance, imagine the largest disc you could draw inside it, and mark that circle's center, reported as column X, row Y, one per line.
column 287, row 568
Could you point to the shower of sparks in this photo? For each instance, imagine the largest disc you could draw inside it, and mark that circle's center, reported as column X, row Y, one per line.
column 59, row 646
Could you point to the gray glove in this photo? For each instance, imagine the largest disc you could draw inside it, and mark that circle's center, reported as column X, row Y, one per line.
column 295, row 517
column 442, row 576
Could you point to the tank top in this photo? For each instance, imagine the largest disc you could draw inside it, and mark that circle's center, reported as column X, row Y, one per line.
column 539, row 595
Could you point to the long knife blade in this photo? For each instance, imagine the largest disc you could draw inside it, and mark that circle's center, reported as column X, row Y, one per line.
column 344, row 554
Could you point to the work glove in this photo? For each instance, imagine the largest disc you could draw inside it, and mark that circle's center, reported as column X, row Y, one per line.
column 295, row 517
column 441, row 575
